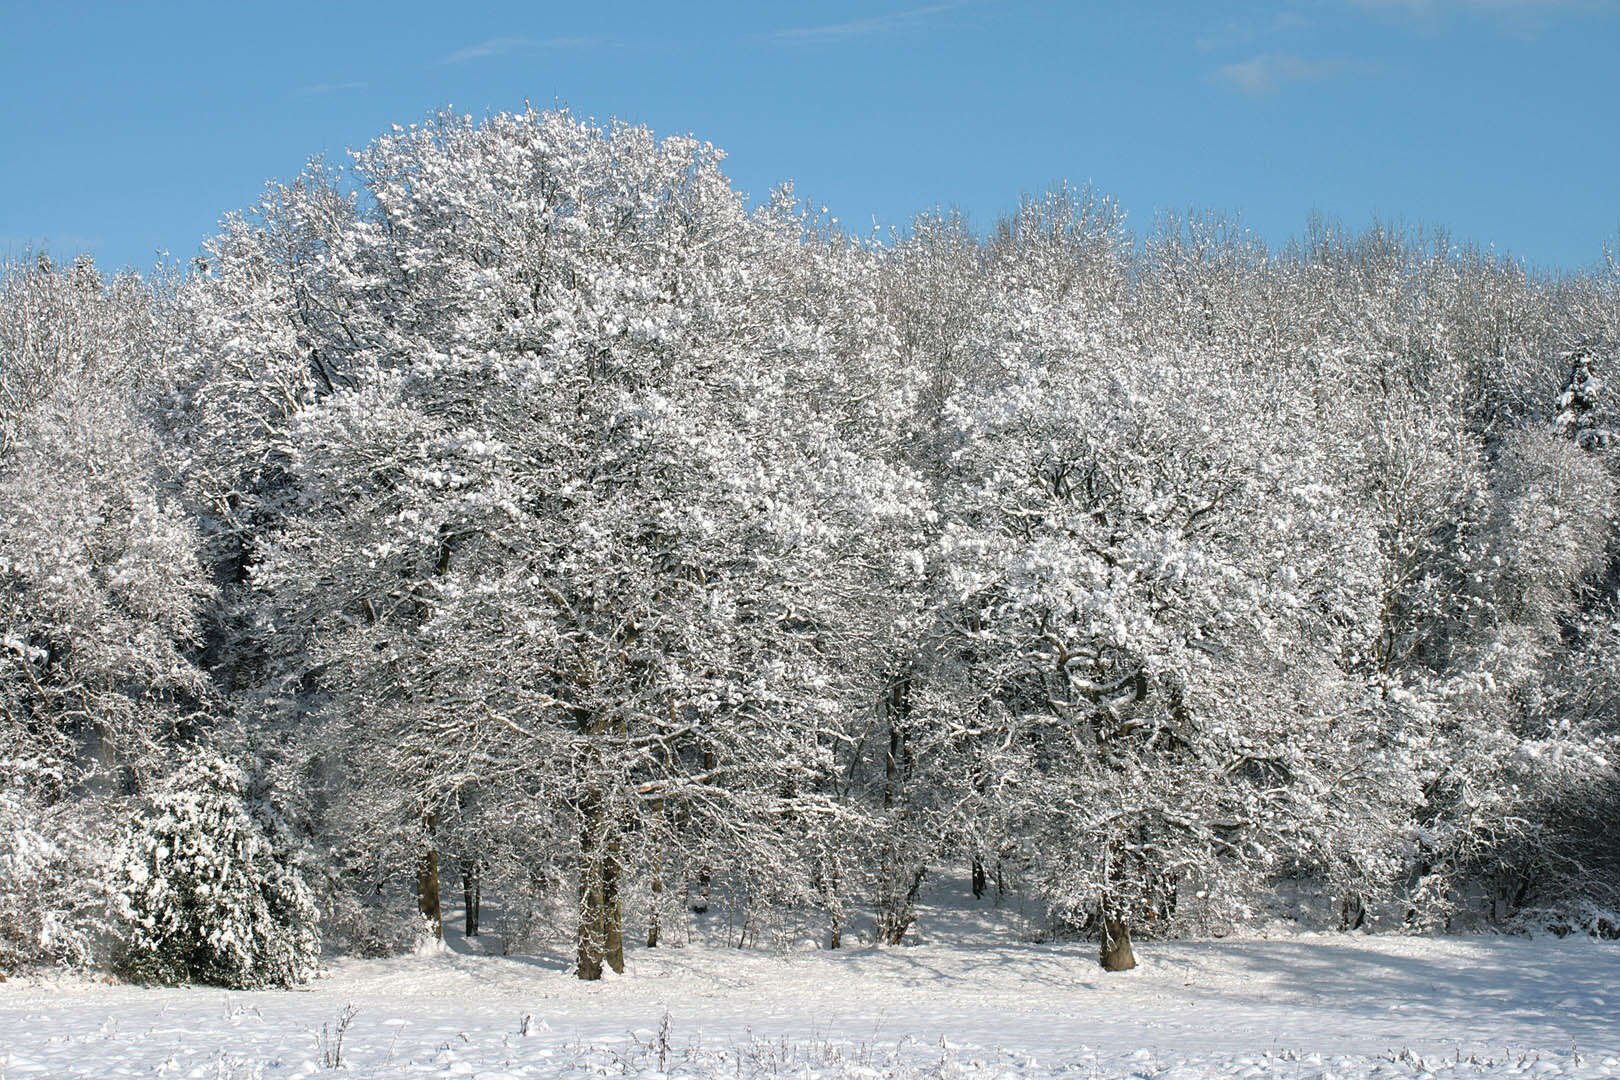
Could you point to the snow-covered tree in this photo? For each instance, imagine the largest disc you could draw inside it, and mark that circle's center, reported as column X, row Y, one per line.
column 208, row 891
column 520, row 501
column 101, row 591
column 1580, row 405
column 1155, row 587
column 101, row 581
column 573, row 533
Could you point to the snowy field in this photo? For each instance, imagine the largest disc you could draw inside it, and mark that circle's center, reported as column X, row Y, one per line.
column 1304, row 1006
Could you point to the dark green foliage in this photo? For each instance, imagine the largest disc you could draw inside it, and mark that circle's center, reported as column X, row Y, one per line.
column 206, row 895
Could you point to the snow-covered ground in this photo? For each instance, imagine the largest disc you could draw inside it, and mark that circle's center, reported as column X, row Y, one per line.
column 971, row 1000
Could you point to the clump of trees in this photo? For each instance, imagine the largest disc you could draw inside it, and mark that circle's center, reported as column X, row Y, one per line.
column 520, row 503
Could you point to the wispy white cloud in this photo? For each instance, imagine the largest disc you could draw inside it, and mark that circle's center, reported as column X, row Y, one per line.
column 1239, row 32
column 1270, row 72
column 872, row 25
column 326, row 88
column 1514, row 13
column 499, row 46
column 1521, row 18
column 1439, row 7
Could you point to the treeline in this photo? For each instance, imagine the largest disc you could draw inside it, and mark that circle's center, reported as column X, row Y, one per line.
column 518, row 507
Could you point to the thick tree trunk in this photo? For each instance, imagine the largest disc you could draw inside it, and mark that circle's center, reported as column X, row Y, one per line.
column 1116, row 943
column 601, row 916
column 471, row 891
column 601, row 930
column 427, row 880
column 589, row 966
column 1352, row 914
column 612, row 911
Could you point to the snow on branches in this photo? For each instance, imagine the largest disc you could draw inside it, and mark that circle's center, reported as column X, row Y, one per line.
column 536, row 512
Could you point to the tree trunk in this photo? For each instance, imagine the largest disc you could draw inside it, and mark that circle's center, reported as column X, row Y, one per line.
column 601, row 918
column 1116, row 943
column 700, row 904
column 427, row 880
column 829, row 873
column 652, row 925
column 898, row 911
column 612, row 910
column 897, row 762
column 1352, row 914
column 589, row 937
column 471, row 893
column 1421, row 871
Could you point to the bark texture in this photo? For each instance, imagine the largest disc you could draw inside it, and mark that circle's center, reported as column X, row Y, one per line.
column 471, row 894
column 427, row 881
column 601, row 914
column 1116, row 944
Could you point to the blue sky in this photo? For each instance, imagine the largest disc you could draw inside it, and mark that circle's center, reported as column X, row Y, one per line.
column 130, row 128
